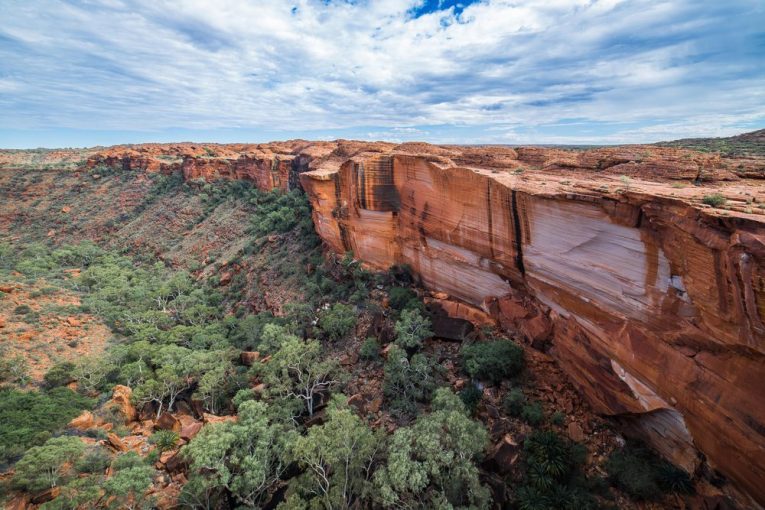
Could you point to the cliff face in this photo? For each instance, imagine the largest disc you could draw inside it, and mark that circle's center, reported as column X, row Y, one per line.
column 269, row 166
column 651, row 304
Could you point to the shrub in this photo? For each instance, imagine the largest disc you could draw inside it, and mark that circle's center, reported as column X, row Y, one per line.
column 533, row 414
column 411, row 329
column 13, row 369
column 59, row 374
column 22, row 310
column 553, row 477
column 338, row 321
column 471, row 397
column 164, row 439
column 714, row 200
column 558, row 418
column 127, row 460
column 43, row 466
column 514, row 401
column 492, row 361
column 673, row 479
column 642, row 475
column 402, row 298
column 370, row 349
column 27, row 418
column 95, row 460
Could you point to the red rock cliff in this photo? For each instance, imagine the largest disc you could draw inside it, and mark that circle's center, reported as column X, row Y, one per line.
column 651, row 302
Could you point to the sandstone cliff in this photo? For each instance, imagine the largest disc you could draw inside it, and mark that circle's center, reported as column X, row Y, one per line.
column 651, row 301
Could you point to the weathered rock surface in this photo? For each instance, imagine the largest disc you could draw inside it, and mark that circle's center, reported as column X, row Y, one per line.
column 84, row 421
column 651, row 302
column 121, row 400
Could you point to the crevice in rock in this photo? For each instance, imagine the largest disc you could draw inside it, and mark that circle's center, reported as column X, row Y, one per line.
column 518, row 234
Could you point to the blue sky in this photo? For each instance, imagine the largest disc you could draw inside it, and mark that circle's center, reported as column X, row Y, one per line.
column 102, row 72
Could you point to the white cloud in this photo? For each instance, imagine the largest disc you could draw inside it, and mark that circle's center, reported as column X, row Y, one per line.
column 313, row 65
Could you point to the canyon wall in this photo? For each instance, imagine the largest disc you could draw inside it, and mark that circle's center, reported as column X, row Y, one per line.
column 652, row 304
column 607, row 259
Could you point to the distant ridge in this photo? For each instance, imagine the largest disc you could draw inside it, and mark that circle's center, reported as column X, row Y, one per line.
column 743, row 145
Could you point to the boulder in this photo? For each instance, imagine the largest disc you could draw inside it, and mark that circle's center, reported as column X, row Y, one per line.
column 121, row 400
column 46, row 495
column 167, row 421
column 347, row 360
column 356, row 401
column 164, row 457
column 211, row 418
column 167, row 498
column 183, row 408
column 176, row 464
column 115, row 442
column 505, row 454
column 575, row 432
column 19, row 502
column 374, row 405
column 248, row 358
column 84, row 421
column 189, row 427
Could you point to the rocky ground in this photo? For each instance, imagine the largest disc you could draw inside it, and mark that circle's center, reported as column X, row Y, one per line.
column 43, row 324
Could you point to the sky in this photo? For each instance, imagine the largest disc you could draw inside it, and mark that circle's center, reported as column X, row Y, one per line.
column 101, row 72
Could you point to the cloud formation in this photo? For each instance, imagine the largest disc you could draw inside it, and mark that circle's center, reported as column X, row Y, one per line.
column 496, row 71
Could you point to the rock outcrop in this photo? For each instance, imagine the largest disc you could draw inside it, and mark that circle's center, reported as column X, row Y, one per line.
column 269, row 166
column 652, row 303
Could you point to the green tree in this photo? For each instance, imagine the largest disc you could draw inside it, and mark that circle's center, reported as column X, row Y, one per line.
column 13, row 369
column 246, row 458
column 338, row 321
column 44, row 466
column 77, row 493
column 338, row 458
column 298, row 370
column 402, row 298
column 27, row 418
column 128, row 486
column 59, row 374
column 91, row 374
column 431, row 464
column 411, row 329
column 175, row 372
column 407, row 381
column 492, row 361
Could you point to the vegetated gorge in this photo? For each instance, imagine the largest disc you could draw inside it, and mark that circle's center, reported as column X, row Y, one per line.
column 368, row 325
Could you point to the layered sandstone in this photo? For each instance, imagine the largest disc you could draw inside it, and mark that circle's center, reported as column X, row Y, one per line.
column 651, row 302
